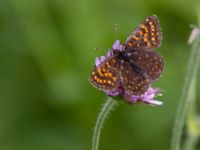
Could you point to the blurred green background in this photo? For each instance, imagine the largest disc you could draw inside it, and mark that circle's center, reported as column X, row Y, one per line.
column 46, row 56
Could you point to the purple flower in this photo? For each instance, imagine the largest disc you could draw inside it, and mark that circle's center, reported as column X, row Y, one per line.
column 147, row 97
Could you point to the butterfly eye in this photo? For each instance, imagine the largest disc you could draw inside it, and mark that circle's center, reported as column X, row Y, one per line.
column 116, row 52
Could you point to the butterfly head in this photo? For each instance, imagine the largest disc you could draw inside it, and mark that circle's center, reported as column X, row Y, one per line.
column 116, row 52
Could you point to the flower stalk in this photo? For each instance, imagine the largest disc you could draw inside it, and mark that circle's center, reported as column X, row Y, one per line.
column 192, row 121
column 109, row 105
column 188, row 87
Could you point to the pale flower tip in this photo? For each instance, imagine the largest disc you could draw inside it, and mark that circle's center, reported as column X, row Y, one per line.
column 116, row 45
column 97, row 61
column 102, row 58
column 160, row 94
column 108, row 53
column 194, row 34
column 154, row 102
column 121, row 48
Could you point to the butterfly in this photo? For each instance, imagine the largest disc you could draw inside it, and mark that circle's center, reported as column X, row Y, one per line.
column 137, row 65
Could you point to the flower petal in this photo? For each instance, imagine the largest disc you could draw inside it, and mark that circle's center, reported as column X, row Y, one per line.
column 102, row 58
column 97, row 61
column 147, row 97
column 117, row 92
column 154, row 102
column 108, row 53
column 112, row 93
column 116, row 45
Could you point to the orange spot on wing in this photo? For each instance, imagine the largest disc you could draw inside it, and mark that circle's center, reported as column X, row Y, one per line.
column 104, row 69
column 108, row 65
column 114, row 78
column 109, row 82
column 113, row 60
column 154, row 43
column 148, row 44
column 109, row 74
column 135, row 38
column 130, row 44
column 140, row 32
column 95, row 77
column 153, row 39
column 143, row 26
column 99, row 71
column 145, row 39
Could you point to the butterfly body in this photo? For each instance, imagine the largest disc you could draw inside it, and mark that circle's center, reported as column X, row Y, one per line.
column 134, row 67
column 123, row 56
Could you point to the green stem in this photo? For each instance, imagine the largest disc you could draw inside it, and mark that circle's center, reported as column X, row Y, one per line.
column 107, row 107
column 185, row 97
column 191, row 142
column 192, row 121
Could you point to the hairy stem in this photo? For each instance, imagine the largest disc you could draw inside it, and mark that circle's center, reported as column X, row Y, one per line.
column 185, row 99
column 106, row 109
column 191, row 121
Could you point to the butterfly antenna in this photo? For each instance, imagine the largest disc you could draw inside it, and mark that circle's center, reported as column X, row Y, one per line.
column 116, row 31
column 97, row 49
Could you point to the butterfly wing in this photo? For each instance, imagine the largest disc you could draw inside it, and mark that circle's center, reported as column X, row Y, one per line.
column 149, row 61
column 146, row 36
column 133, row 79
column 105, row 76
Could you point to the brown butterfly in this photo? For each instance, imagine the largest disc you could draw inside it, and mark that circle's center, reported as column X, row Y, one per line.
column 137, row 65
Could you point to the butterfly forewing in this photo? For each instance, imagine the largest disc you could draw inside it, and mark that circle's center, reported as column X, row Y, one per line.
column 146, row 36
column 133, row 82
column 105, row 76
column 149, row 61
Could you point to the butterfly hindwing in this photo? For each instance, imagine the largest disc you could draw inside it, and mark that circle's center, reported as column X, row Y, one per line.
column 149, row 61
column 133, row 82
column 146, row 36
